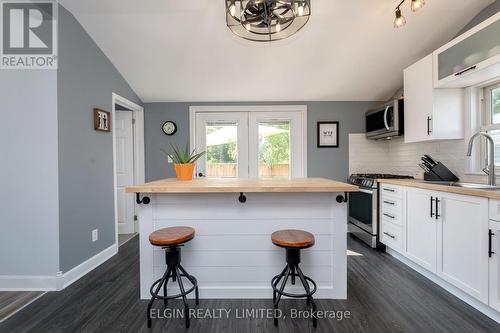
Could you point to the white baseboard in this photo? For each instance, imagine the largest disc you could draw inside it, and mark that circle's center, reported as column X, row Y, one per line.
column 56, row 282
column 475, row 303
column 27, row 283
column 87, row 266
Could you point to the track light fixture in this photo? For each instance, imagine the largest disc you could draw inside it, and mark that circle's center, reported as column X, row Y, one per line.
column 417, row 4
column 400, row 20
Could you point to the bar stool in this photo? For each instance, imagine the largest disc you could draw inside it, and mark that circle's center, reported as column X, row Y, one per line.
column 171, row 240
column 293, row 241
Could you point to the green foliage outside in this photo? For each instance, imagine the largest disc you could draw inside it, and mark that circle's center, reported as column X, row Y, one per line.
column 275, row 149
column 224, row 153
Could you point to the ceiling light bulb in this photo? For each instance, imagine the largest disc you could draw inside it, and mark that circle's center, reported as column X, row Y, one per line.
column 400, row 20
column 300, row 10
column 248, row 26
column 232, row 9
column 417, row 4
column 278, row 27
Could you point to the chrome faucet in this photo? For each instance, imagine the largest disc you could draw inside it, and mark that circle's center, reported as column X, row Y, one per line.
column 490, row 170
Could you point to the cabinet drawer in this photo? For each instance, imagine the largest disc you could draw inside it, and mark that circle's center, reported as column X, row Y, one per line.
column 495, row 210
column 390, row 204
column 391, row 217
column 393, row 191
column 392, row 236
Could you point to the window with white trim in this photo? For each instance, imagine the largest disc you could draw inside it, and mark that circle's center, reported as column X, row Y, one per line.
column 250, row 142
column 491, row 120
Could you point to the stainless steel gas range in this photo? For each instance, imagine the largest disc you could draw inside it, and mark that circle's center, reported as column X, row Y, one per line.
column 364, row 206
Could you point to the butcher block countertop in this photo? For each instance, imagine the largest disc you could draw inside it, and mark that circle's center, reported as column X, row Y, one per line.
column 235, row 185
column 492, row 194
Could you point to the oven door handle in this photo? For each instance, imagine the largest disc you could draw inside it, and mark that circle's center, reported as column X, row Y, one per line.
column 362, row 190
column 385, row 118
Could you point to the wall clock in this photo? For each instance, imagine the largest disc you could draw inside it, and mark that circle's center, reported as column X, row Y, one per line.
column 169, row 128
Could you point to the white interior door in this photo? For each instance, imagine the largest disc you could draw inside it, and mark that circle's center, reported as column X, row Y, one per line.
column 124, row 170
column 276, row 145
column 224, row 136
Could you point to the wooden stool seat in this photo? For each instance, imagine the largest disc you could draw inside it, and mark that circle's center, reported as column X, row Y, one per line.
column 297, row 239
column 171, row 236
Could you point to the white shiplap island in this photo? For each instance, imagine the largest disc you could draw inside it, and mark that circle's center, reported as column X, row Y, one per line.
column 232, row 255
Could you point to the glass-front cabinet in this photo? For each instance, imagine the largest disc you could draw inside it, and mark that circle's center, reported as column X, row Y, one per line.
column 471, row 58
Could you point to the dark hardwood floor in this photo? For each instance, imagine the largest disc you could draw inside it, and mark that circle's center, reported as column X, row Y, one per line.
column 13, row 301
column 384, row 296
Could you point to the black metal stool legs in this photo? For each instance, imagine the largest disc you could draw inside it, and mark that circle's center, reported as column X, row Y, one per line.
column 173, row 272
column 191, row 279
column 308, row 291
column 183, row 293
column 160, row 282
column 292, row 270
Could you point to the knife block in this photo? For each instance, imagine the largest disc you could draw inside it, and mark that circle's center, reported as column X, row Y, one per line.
column 440, row 173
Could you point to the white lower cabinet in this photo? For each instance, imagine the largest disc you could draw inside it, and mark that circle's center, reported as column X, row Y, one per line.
column 447, row 234
column 462, row 243
column 494, row 258
column 421, row 229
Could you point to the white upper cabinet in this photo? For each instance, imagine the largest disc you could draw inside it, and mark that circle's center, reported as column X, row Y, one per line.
column 470, row 59
column 431, row 114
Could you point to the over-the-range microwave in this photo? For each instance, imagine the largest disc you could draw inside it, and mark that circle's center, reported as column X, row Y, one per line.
column 386, row 121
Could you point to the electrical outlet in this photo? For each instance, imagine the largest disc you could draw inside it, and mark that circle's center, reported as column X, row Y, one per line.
column 169, row 159
column 95, row 235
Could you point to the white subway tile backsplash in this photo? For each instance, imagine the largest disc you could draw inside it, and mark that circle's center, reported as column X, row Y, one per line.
column 395, row 156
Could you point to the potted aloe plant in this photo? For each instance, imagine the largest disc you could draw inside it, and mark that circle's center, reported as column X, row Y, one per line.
column 183, row 161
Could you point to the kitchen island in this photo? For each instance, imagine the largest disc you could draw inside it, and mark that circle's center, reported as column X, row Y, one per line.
column 232, row 255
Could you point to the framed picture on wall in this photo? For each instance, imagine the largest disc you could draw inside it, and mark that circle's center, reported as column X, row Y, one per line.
column 328, row 134
column 102, row 120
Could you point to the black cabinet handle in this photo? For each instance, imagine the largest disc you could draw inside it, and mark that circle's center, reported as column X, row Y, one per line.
column 432, row 208
column 201, row 174
column 490, row 252
column 388, row 234
column 429, row 126
column 389, row 203
column 389, row 216
column 437, row 208
column 389, row 190
column 465, row 70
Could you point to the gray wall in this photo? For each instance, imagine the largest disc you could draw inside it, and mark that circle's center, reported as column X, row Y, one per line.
column 483, row 15
column 28, row 170
column 326, row 162
column 86, row 79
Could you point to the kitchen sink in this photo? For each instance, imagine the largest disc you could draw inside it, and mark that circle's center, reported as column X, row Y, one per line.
column 466, row 185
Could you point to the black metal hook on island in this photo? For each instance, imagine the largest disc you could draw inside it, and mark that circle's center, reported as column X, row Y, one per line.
column 145, row 200
column 242, row 198
column 342, row 199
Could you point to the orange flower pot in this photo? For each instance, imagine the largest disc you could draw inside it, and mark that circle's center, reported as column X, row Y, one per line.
column 184, row 171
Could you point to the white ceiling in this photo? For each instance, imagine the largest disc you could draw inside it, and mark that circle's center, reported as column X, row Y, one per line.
column 172, row 50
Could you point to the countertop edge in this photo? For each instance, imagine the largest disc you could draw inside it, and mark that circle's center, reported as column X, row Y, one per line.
column 242, row 189
column 442, row 188
column 309, row 185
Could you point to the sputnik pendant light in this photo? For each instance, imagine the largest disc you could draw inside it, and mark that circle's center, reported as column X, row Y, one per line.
column 400, row 20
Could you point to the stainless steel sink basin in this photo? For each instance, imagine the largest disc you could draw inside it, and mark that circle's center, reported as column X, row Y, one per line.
column 467, row 185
